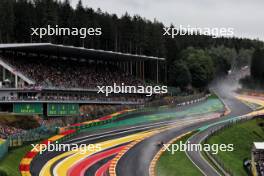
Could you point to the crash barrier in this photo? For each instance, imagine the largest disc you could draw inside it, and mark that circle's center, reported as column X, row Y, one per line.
column 183, row 102
column 3, row 148
column 250, row 92
column 36, row 134
column 97, row 122
column 115, row 116
column 43, row 132
column 174, row 91
column 172, row 101
column 224, row 168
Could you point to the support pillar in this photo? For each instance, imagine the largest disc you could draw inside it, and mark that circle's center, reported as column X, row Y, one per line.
column 157, row 71
column 131, row 68
column 127, row 67
column 4, row 74
column 16, row 81
column 143, row 67
column 136, row 69
column 139, row 71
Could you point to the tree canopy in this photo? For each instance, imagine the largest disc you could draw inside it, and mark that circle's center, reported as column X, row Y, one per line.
column 257, row 65
column 200, row 55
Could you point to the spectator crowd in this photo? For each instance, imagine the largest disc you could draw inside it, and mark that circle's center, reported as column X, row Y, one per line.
column 66, row 73
column 6, row 131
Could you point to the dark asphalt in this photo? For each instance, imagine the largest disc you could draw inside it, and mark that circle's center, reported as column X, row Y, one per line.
column 237, row 109
column 96, row 136
column 137, row 160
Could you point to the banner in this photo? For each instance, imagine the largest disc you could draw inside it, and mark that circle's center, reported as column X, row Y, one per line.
column 28, row 108
column 59, row 109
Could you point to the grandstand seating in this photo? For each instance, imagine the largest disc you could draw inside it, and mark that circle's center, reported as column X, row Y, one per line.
column 59, row 79
column 258, row 159
column 51, row 72
column 8, row 130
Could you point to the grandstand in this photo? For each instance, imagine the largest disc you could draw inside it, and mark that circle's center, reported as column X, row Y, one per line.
column 257, row 159
column 55, row 80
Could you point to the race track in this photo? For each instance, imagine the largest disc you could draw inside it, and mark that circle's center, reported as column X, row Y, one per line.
column 134, row 161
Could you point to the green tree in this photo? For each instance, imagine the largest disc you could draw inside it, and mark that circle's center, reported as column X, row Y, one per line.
column 7, row 21
column 179, row 75
column 201, row 67
column 244, row 57
column 25, row 19
column 223, row 59
column 257, row 65
column 65, row 20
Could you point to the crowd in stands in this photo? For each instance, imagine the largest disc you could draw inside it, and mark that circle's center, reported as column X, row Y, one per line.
column 258, row 161
column 58, row 122
column 6, row 131
column 93, row 111
column 260, row 165
column 51, row 72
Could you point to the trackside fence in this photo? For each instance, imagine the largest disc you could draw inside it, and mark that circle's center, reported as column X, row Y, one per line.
column 36, row 134
column 186, row 101
column 223, row 167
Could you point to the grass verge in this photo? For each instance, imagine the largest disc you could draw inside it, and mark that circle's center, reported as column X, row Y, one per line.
column 11, row 161
column 177, row 163
column 242, row 136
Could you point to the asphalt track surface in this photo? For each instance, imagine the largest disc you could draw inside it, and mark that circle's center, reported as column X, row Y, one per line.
column 136, row 161
column 103, row 135
column 91, row 138
column 237, row 109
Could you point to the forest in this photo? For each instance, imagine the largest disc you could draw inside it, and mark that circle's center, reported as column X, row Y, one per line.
column 256, row 78
column 192, row 60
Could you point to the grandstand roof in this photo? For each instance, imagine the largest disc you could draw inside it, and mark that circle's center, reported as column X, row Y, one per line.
column 74, row 52
column 259, row 145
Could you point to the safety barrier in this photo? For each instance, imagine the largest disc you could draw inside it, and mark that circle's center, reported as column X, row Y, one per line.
column 97, row 122
column 36, row 134
column 3, row 148
column 225, row 124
